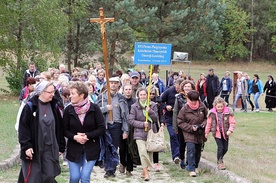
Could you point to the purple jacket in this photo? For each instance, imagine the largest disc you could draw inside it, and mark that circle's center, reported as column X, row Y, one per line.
column 137, row 119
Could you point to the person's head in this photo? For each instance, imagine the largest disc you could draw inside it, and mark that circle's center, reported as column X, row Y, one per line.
column 202, row 76
column 45, row 91
column 119, row 73
column 125, row 79
column 98, row 65
column 92, row 79
column 155, row 77
column 256, row 76
column 227, row 74
column 187, row 86
column 211, row 71
column 101, row 74
column 114, row 84
column 76, row 75
column 84, row 74
column 142, row 94
column 153, row 92
column 55, row 74
column 31, row 83
column 32, row 66
column 45, row 76
column 65, row 95
column 134, row 78
column 76, row 69
column 143, row 75
column 127, row 90
column 90, row 87
column 62, row 68
column 175, row 75
column 78, row 91
column 239, row 74
column 177, row 84
column 219, row 103
column 193, row 96
column 270, row 78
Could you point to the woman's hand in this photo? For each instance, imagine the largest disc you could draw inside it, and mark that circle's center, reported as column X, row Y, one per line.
column 81, row 138
column 206, row 135
column 228, row 133
column 146, row 124
column 29, row 152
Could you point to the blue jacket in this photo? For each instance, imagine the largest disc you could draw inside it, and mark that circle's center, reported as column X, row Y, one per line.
column 228, row 83
column 259, row 83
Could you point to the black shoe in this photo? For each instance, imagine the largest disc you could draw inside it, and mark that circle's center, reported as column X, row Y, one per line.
column 109, row 175
column 252, row 108
column 106, row 175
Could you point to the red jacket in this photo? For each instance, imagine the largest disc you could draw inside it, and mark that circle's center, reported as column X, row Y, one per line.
column 204, row 87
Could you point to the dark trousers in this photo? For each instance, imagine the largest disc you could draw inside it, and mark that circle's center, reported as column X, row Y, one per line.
column 225, row 96
column 250, row 102
column 193, row 155
column 210, row 100
column 222, row 148
column 115, row 131
column 182, row 144
column 125, row 158
column 173, row 138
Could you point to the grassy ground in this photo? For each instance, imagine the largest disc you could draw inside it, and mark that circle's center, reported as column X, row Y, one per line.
column 251, row 151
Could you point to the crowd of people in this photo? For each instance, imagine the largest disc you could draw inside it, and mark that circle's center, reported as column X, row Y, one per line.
column 74, row 115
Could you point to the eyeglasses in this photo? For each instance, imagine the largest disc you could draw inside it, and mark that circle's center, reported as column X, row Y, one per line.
column 50, row 92
column 152, row 93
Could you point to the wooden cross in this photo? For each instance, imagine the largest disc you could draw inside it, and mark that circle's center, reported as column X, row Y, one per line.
column 102, row 20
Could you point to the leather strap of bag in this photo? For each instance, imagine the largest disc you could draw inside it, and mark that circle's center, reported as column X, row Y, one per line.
column 158, row 123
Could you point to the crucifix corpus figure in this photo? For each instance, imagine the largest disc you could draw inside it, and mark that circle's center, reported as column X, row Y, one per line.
column 102, row 20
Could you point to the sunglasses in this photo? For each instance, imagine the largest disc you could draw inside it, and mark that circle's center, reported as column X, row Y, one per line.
column 152, row 93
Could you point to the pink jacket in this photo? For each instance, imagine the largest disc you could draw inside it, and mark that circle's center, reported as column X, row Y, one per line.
column 229, row 122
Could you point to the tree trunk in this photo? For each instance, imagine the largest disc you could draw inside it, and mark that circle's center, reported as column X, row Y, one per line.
column 70, row 36
column 77, row 48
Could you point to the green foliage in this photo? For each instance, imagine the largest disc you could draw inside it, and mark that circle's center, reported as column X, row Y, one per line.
column 262, row 33
column 36, row 31
column 272, row 24
column 235, row 34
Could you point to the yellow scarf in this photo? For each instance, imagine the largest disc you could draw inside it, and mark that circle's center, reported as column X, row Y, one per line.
column 144, row 105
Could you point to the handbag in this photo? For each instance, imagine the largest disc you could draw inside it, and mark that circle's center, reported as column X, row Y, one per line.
column 156, row 141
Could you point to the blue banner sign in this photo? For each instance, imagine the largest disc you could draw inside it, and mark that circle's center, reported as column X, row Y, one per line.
column 152, row 53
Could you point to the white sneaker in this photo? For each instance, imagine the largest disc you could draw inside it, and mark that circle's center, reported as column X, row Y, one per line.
column 65, row 163
column 257, row 110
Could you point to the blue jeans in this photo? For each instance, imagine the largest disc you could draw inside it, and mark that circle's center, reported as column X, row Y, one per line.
column 236, row 100
column 81, row 171
column 193, row 155
column 256, row 98
column 173, row 139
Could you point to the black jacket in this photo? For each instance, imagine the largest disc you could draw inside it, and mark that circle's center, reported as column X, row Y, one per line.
column 93, row 126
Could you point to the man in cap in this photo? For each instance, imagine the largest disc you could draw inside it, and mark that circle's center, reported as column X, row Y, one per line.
column 212, row 87
column 118, row 126
column 135, row 82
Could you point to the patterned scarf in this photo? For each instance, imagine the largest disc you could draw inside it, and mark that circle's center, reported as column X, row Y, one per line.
column 81, row 109
column 144, row 105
